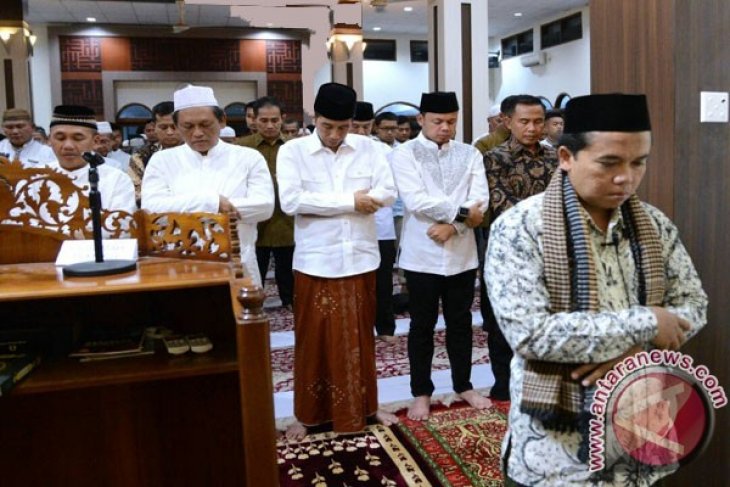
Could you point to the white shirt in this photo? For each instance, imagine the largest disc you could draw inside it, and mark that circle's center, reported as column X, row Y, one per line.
column 181, row 179
column 32, row 154
column 120, row 156
column 318, row 185
column 384, row 224
column 117, row 164
column 116, row 188
column 433, row 183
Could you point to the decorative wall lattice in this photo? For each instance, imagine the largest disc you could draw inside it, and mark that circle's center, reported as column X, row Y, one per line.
column 289, row 93
column 283, row 57
column 80, row 54
column 86, row 92
column 174, row 54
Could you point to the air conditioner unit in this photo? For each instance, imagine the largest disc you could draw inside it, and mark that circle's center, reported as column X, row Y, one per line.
column 534, row 59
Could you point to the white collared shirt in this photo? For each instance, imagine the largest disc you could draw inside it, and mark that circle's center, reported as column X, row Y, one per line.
column 117, row 190
column 32, row 154
column 433, row 183
column 181, row 179
column 384, row 224
column 318, row 185
column 120, row 156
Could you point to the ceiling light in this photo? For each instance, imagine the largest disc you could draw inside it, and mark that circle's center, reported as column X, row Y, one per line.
column 408, row 9
column 91, row 19
column 518, row 14
column 377, row 28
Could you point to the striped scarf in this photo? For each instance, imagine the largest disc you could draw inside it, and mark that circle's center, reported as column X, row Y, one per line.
column 549, row 393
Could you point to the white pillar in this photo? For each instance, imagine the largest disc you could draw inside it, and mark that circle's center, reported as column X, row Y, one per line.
column 458, row 34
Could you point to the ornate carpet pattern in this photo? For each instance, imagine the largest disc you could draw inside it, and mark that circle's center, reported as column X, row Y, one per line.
column 374, row 457
column 459, row 444
column 391, row 359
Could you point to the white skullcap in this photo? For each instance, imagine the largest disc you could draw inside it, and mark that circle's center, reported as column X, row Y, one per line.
column 493, row 111
column 103, row 128
column 227, row 132
column 194, row 96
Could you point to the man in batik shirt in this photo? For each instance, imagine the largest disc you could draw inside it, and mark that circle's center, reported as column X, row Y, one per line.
column 581, row 277
column 516, row 170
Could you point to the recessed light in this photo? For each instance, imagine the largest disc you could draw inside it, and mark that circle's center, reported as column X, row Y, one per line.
column 377, row 28
column 518, row 14
column 408, row 9
column 91, row 19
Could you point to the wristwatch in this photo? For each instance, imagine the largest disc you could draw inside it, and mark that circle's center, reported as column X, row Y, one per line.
column 462, row 215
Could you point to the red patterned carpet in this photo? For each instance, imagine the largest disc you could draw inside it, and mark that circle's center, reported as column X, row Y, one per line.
column 460, row 445
column 457, row 447
column 391, row 358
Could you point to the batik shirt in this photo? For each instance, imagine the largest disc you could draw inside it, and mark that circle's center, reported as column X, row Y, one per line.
column 515, row 173
column 516, row 283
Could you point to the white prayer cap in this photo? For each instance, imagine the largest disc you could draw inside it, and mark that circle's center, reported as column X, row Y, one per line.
column 493, row 111
column 227, row 132
column 103, row 128
column 194, row 96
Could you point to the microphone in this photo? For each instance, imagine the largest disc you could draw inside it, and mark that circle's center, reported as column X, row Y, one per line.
column 93, row 158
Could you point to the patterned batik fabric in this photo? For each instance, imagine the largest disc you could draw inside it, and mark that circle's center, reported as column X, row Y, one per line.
column 515, row 173
column 137, row 164
column 515, row 275
column 334, row 351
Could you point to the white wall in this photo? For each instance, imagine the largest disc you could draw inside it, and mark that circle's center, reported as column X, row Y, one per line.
column 568, row 68
column 400, row 80
column 40, row 74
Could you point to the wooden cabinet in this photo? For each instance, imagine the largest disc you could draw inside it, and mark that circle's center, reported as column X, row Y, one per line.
column 147, row 421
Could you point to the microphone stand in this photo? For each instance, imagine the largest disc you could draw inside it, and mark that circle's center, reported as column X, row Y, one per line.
column 99, row 267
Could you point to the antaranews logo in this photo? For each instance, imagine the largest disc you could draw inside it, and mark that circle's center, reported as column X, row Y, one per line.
column 656, row 407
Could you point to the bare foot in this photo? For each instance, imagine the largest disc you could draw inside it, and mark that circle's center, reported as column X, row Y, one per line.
column 475, row 400
column 296, row 432
column 420, row 408
column 385, row 418
column 389, row 339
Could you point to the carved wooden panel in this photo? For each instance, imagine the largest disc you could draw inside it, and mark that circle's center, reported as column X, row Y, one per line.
column 176, row 54
column 283, row 56
column 204, row 236
column 80, row 54
column 86, row 92
column 46, row 198
column 289, row 93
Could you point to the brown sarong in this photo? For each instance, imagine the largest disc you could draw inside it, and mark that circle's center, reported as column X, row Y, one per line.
column 334, row 351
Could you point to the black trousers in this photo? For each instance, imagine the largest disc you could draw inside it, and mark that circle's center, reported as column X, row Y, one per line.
column 384, row 316
column 500, row 353
column 456, row 294
column 283, row 257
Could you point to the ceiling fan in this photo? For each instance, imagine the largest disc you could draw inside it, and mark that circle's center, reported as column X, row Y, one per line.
column 380, row 5
column 181, row 26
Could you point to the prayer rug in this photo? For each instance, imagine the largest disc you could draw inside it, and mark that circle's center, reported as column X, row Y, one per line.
column 460, row 445
column 372, row 457
column 391, row 358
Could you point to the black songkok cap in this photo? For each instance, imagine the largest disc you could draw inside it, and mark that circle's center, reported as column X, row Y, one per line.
column 335, row 101
column 364, row 112
column 439, row 102
column 607, row 113
column 73, row 115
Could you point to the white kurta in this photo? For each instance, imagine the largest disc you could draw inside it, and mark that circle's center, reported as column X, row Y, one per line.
column 433, row 183
column 183, row 180
column 117, row 164
column 384, row 224
column 32, row 154
column 117, row 190
column 120, row 156
column 318, row 186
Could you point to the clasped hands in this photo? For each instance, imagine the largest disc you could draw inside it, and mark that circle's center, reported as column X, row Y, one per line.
column 671, row 334
column 366, row 204
column 442, row 232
